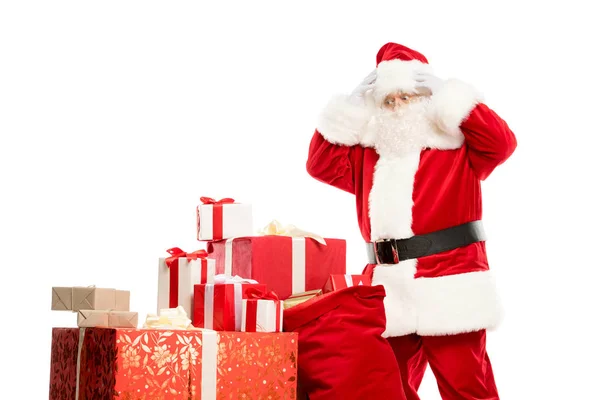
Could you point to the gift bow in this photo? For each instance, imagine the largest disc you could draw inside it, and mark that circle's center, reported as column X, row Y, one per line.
column 277, row 229
column 197, row 254
column 210, row 200
column 222, row 279
column 176, row 253
column 168, row 318
column 257, row 294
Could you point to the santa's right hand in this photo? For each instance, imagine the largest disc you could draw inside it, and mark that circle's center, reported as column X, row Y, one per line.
column 370, row 79
column 357, row 96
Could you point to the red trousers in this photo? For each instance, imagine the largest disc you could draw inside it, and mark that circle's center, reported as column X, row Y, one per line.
column 459, row 362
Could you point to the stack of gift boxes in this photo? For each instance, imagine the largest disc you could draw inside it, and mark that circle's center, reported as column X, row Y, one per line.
column 219, row 318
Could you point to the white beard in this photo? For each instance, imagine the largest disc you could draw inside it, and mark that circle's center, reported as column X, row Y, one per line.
column 408, row 130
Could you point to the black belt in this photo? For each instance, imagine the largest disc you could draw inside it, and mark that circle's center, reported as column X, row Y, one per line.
column 392, row 251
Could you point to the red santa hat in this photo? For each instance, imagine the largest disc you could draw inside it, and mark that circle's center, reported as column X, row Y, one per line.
column 396, row 67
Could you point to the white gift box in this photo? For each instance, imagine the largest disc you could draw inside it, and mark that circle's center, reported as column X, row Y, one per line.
column 185, row 274
column 217, row 221
column 262, row 315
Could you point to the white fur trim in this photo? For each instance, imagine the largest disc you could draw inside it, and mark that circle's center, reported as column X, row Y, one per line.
column 400, row 312
column 444, row 141
column 390, row 199
column 397, row 75
column 452, row 104
column 445, row 305
column 399, row 149
column 342, row 122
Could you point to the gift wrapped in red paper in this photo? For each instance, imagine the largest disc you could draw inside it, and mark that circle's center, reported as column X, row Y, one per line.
column 287, row 260
column 223, row 219
column 218, row 306
column 178, row 274
column 337, row 282
column 113, row 363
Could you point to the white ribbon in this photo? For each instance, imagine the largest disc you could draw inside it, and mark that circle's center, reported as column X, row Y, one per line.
column 298, row 264
column 211, row 268
column 348, row 279
column 209, row 365
column 229, row 257
column 78, row 369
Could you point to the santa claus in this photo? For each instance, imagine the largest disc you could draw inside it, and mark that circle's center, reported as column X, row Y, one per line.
column 414, row 149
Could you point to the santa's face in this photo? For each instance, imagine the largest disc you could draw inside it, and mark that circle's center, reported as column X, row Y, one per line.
column 400, row 126
column 398, row 100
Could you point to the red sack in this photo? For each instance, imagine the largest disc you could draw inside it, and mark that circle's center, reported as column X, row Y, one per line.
column 341, row 353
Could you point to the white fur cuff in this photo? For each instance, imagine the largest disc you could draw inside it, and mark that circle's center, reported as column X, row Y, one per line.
column 446, row 305
column 458, row 303
column 342, row 122
column 453, row 104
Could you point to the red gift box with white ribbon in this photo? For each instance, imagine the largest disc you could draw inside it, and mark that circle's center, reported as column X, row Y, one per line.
column 222, row 219
column 262, row 312
column 179, row 273
column 218, row 306
column 286, row 259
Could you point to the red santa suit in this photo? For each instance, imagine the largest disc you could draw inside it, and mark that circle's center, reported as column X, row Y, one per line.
column 411, row 184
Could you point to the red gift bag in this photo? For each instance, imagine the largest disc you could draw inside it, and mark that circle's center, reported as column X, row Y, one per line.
column 341, row 353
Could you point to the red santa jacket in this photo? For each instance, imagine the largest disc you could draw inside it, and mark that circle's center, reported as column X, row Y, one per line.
column 430, row 189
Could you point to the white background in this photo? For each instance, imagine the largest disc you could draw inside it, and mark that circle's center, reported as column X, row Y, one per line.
column 116, row 116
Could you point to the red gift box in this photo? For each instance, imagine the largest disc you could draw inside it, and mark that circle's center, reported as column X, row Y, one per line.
column 337, row 282
column 219, row 306
column 99, row 363
column 287, row 265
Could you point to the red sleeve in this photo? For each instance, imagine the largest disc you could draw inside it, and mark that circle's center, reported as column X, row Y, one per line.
column 489, row 140
column 458, row 109
column 330, row 163
column 335, row 141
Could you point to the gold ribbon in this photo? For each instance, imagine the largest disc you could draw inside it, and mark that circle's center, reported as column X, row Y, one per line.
column 169, row 318
column 300, row 298
column 277, row 229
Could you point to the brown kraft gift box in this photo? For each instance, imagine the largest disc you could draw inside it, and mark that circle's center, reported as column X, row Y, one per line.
column 89, row 298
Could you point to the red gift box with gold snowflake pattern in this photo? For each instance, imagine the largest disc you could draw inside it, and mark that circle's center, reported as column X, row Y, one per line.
column 107, row 363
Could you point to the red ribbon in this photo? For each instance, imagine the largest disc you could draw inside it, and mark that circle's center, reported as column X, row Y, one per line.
column 210, row 200
column 173, row 265
column 197, row 254
column 217, row 214
column 254, row 295
column 257, row 294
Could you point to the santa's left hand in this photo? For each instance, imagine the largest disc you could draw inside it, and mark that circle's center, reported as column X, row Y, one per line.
column 428, row 81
